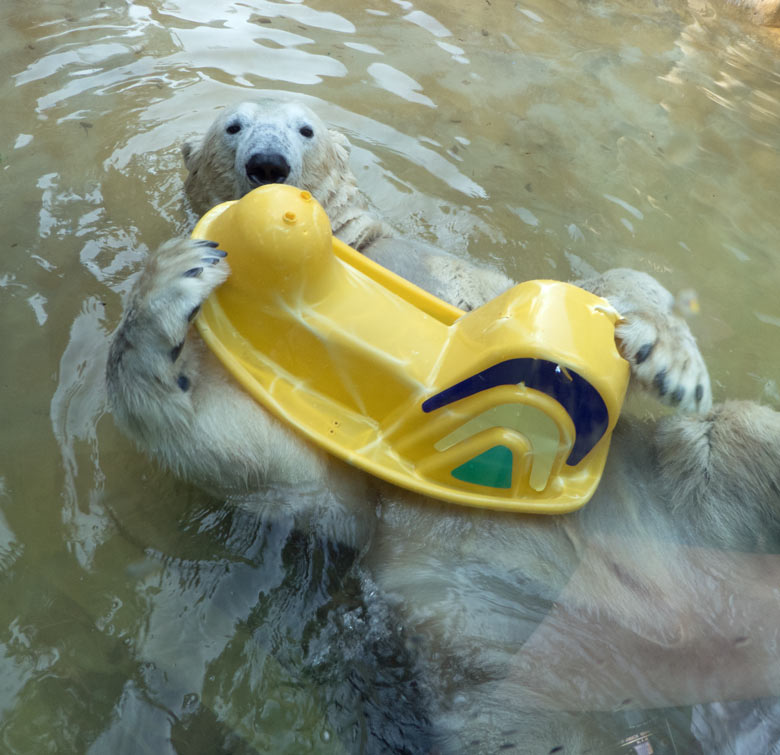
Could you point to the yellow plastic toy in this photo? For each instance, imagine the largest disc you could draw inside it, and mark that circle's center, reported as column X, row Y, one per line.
column 508, row 407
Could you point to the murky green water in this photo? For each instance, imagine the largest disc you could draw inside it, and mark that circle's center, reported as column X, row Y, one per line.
column 548, row 136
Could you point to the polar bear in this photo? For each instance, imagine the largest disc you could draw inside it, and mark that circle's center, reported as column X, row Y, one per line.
column 532, row 632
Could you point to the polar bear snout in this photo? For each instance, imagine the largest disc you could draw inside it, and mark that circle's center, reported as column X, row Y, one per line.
column 267, row 168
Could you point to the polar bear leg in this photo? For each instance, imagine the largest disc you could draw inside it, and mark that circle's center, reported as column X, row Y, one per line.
column 149, row 387
column 721, row 472
column 171, row 395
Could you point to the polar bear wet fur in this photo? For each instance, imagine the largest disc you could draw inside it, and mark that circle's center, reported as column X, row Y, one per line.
column 470, row 585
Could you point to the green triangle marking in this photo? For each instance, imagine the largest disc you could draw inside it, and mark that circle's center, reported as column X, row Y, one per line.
column 492, row 468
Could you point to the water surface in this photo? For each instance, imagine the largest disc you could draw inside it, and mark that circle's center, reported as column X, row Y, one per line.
column 549, row 137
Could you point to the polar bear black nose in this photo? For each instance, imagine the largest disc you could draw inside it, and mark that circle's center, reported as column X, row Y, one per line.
column 267, row 168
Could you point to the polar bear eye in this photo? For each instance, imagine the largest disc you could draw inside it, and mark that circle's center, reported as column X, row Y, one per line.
column 233, row 128
column 307, row 131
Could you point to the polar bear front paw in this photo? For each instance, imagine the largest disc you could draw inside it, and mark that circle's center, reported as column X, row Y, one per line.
column 655, row 340
column 665, row 359
column 147, row 355
column 176, row 281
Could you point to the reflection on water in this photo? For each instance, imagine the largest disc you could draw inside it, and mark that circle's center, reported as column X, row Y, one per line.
column 549, row 137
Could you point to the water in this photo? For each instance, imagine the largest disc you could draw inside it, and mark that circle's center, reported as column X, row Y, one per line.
column 548, row 137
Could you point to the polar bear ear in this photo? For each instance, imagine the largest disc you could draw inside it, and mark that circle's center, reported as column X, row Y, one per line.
column 190, row 154
column 340, row 140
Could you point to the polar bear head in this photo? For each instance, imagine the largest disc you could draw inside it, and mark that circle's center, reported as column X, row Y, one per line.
column 269, row 141
column 279, row 141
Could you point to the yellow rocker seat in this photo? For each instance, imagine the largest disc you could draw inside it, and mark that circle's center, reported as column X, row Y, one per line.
column 508, row 407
